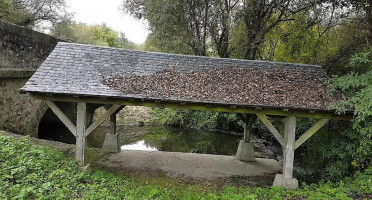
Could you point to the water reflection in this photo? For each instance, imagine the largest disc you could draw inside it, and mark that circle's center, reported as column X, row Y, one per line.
column 140, row 145
column 161, row 139
column 169, row 139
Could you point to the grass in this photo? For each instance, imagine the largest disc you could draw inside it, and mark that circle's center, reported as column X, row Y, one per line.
column 29, row 171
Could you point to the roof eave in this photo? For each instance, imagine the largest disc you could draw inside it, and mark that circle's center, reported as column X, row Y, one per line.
column 203, row 106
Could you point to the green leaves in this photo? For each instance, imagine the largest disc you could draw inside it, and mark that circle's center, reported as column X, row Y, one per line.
column 357, row 87
column 101, row 35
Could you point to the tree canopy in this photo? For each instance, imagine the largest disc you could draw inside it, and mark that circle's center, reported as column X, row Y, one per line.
column 101, row 35
column 33, row 13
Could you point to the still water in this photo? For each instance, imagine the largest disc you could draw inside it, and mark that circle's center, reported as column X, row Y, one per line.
column 163, row 139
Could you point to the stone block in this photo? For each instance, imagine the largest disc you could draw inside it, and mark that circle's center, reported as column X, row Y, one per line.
column 111, row 143
column 87, row 168
column 245, row 151
column 288, row 183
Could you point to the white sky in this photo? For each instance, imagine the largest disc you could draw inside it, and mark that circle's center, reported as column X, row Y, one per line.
column 107, row 11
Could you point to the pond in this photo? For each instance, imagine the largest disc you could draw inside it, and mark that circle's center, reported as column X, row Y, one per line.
column 153, row 138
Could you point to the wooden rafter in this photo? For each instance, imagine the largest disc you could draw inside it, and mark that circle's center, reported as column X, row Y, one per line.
column 310, row 132
column 65, row 120
column 113, row 109
column 249, row 121
column 272, row 129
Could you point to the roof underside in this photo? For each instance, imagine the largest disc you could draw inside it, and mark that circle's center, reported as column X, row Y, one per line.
column 74, row 69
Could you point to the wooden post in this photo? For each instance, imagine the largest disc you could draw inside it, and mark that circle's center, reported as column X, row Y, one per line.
column 81, row 126
column 289, row 137
column 245, row 150
column 280, row 123
column 248, row 124
column 113, row 123
column 111, row 142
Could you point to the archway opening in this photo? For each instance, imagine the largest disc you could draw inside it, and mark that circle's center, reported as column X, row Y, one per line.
column 51, row 128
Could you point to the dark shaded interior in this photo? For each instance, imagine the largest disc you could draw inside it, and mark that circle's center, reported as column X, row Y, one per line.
column 51, row 128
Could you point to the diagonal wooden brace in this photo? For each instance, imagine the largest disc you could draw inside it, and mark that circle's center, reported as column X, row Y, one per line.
column 272, row 129
column 65, row 120
column 310, row 132
column 113, row 109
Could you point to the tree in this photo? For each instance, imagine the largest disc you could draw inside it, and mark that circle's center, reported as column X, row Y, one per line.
column 176, row 26
column 187, row 26
column 101, row 35
column 207, row 26
column 222, row 24
column 262, row 16
column 357, row 86
column 33, row 13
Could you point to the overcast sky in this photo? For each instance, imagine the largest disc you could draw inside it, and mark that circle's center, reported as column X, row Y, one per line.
column 107, row 11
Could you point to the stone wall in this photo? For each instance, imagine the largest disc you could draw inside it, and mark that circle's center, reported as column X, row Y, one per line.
column 23, row 48
column 18, row 112
column 22, row 51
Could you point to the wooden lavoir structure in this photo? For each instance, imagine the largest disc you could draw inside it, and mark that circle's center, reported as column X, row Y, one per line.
column 252, row 89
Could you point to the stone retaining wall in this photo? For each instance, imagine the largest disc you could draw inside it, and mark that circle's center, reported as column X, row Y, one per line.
column 22, row 51
column 23, row 48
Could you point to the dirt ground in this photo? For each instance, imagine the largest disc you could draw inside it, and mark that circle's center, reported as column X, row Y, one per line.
column 191, row 165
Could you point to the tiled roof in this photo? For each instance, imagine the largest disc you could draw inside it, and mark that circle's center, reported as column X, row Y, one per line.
column 75, row 69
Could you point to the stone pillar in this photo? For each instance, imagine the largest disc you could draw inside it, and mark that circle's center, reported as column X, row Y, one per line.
column 111, row 143
column 286, row 179
column 245, row 149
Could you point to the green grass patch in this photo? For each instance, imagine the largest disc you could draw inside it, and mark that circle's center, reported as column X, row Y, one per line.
column 29, row 171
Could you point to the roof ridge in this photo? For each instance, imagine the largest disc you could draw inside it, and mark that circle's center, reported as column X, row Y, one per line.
column 194, row 56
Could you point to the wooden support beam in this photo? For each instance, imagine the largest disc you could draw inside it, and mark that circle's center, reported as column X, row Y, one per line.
column 113, row 123
column 242, row 117
column 248, row 127
column 290, row 131
column 310, row 132
column 249, row 121
column 64, row 119
column 272, row 129
column 99, row 121
column 197, row 106
column 81, row 124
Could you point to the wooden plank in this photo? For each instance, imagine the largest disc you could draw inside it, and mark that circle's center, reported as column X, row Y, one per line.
column 290, row 134
column 310, row 132
column 196, row 106
column 81, row 124
column 272, row 129
column 99, row 121
column 61, row 116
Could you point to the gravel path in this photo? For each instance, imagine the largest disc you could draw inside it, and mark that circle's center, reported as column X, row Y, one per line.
column 191, row 165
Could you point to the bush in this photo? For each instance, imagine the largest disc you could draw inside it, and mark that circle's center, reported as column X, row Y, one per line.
column 196, row 119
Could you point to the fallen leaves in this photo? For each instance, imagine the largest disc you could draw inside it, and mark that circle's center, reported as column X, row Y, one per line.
column 231, row 85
